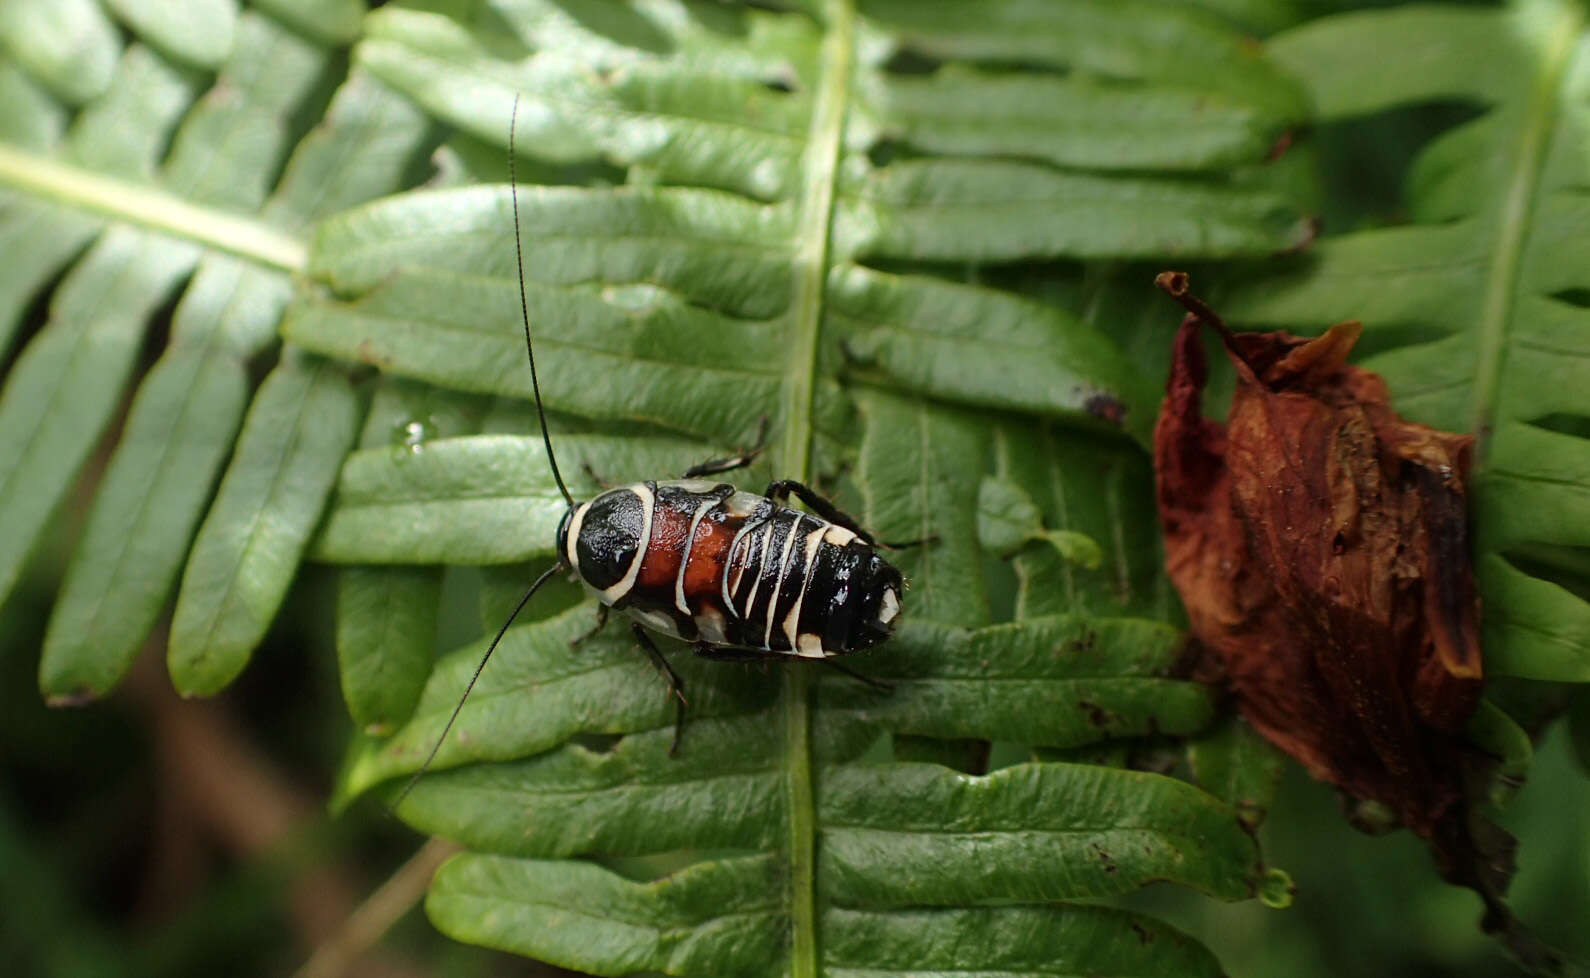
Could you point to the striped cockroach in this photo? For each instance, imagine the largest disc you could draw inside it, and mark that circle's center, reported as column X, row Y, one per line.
column 736, row 574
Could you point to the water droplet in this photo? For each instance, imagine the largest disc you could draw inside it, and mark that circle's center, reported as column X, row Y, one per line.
column 637, row 299
column 412, row 435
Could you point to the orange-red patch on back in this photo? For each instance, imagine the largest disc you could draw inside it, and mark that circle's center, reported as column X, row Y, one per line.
column 708, row 553
column 660, row 566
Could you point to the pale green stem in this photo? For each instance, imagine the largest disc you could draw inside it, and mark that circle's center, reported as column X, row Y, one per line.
column 820, row 167
column 149, row 207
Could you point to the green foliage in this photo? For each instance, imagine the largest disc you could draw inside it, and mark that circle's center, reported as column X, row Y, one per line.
column 900, row 232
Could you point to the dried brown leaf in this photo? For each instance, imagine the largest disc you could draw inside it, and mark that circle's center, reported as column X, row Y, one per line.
column 1320, row 545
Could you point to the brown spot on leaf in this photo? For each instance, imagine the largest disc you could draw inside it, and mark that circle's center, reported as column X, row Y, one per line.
column 1107, row 408
column 1098, row 716
column 1105, row 859
column 1082, row 643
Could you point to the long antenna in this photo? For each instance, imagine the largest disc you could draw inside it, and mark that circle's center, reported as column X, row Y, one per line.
column 545, row 576
column 524, row 304
column 535, row 383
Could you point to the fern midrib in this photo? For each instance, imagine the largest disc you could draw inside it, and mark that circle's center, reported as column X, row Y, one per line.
column 146, row 206
column 1518, row 205
column 820, row 167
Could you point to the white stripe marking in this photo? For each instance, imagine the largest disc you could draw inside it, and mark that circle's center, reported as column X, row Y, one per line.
column 889, row 607
column 838, row 535
column 684, row 560
column 814, row 542
column 778, row 583
column 647, row 502
column 761, row 565
column 730, row 586
column 693, row 486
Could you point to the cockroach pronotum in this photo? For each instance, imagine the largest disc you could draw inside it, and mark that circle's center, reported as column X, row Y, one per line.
column 737, row 575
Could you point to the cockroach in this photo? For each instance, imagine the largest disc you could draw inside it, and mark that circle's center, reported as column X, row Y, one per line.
column 738, row 575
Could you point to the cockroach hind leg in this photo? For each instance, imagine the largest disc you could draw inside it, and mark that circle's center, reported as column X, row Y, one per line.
column 676, row 686
column 679, row 729
column 720, row 465
column 717, row 466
